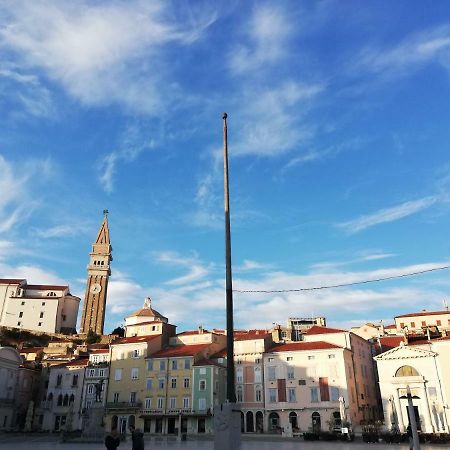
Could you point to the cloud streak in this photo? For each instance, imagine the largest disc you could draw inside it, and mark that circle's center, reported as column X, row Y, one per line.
column 388, row 214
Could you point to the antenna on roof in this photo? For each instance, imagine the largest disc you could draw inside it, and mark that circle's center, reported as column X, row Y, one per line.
column 445, row 304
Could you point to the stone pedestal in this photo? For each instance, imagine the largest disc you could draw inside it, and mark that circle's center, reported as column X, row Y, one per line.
column 93, row 424
column 287, row 430
column 227, row 427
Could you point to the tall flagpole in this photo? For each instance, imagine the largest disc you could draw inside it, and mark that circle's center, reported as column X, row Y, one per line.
column 231, row 392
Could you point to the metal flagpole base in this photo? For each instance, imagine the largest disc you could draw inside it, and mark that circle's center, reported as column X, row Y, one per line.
column 227, row 426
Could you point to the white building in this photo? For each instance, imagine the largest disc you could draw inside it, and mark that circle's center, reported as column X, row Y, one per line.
column 62, row 403
column 10, row 361
column 45, row 308
column 424, row 367
column 423, row 319
column 96, row 378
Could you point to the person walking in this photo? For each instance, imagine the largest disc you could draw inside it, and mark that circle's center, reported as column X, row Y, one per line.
column 112, row 440
column 137, row 438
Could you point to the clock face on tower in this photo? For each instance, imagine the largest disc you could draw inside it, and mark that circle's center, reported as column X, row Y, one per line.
column 96, row 288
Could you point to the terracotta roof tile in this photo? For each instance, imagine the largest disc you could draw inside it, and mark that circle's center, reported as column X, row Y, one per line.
column 12, row 280
column 426, row 341
column 208, row 362
column 316, row 329
column 423, row 313
column 390, row 342
column 302, row 346
column 135, row 339
column 47, row 287
column 75, row 362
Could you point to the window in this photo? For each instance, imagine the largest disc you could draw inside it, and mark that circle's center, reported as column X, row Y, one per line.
column 258, row 375
column 58, row 380
column 186, row 382
column 174, row 364
column 271, row 373
column 324, row 391
column 90, row 389
column 438, row 323
column 132, row 397
column 291, row 395
column 272, row 395
column 258, row 394
column 39, row 324
column 413, row 324
column 43, row 303
column 290, row 373
column 239, row 375
column 311, row 357
column 41, row 315
column 406, row 371
column 202, row 371
column 75, row 380
column 116, row 397
column 101, row 372
column 334, row 394
column 270, row 359
column 160, row 402
column 185, row 402
column 402, row 325
column 331, row 356
column 173, row 383
column 91, row 373
column 150, row 364
column 172, row 402
column 64, row 317
column 289, row 358
column 202, row 404
column 239, row 394
column 162, row 365
column 202, row 385
column 187, row 363
column 118, row 375
column 135, row 353
column 302, row 382
column 60, row 400
column 161, row 383
column 20, row 314
column 134, row 373
column 23, row 303
column 424, row 323
column 19, row 323
column 149, row 384
column 314, row 395
column 148, row 403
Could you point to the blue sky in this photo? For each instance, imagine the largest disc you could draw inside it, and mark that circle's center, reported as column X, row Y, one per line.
column 338, row 139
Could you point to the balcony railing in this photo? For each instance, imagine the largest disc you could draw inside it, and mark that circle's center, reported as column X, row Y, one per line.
column 123, row 405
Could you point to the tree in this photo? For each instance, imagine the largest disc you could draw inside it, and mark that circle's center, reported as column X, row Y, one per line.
column 92, row 337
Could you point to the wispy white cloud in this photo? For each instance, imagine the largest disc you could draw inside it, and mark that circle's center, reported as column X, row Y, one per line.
column 388, row 214
column 248, row 265
column 59, row 231
column 95, row 50
column 266, row 33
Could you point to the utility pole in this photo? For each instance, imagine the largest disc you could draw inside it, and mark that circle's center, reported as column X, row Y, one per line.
column 227, row 417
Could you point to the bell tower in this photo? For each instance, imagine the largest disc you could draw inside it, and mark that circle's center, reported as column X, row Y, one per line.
column 97, row 282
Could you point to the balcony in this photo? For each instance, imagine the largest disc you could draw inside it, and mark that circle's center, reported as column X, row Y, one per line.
column 123, row 405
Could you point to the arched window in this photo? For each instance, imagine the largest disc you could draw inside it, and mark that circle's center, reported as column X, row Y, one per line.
column 50, row 397
column 407, row 371
column 316, row 422
column 250, row 425
column 258, row 393
column 239, row 394
column 66, row 400
column 274, row 421
column 293, row 420
column 60, row 400
column 71, row 399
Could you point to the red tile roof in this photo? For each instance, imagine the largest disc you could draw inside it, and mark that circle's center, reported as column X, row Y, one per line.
column 31, row 349
column 74, row 363
column 192, row 332
column 180, row 350
column 47, row 287
column 135, row 339
column 423, row 313
column 426, row 341
column 390, row 342
column 302, row 346
column 208, row 362
column 147, row 312
column 250, row 334
column 12, row 280
column 96, row 351
column 220, row 354
column 316, row 329
column 390, row 327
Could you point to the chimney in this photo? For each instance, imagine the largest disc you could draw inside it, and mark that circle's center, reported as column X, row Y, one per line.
column 200, row 329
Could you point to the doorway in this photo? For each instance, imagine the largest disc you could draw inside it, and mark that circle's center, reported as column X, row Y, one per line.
column 171, row 425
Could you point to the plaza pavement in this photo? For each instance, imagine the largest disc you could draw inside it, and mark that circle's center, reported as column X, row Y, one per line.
column 51, row 442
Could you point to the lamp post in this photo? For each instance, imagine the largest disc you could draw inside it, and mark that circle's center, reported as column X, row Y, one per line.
column 412, row 419
column 227, row 416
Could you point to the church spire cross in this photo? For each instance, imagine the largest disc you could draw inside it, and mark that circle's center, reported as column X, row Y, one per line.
column 105, row 213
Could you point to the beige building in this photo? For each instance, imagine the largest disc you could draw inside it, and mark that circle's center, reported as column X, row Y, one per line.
column 417, row 321
column 424, row 367
column 43, row 308
column 366, row 388
column 305, row 385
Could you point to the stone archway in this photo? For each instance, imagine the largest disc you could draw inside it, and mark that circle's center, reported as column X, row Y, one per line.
column 259, row 422
column 274, row 422
column 250, row 428
column 316, row 422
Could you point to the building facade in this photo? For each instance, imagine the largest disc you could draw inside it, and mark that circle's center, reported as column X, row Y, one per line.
column 41, row 308
column 418, row 321
column 10, row 361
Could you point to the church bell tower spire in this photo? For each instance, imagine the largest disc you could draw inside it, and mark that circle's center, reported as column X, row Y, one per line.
column 99, row 272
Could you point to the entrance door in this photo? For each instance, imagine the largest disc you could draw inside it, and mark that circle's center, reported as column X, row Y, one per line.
column 316, row 422
column 171, row 425
column 416, row 414
column 184, row 424
column 201, row 425
column 123, row 425
column 57, row 422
